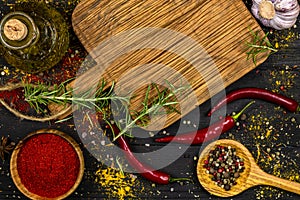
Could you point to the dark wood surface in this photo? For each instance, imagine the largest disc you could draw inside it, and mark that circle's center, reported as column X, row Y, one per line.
column 284, row 138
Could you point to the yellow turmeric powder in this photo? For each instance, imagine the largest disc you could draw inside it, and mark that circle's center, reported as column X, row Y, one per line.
column 118, row 184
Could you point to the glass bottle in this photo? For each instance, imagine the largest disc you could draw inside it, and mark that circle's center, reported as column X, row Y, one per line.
column 34, row 37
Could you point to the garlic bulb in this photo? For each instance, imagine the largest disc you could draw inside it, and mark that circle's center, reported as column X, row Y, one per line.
column 278, row 14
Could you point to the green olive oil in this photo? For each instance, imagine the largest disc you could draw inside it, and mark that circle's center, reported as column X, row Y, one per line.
column 34, row 37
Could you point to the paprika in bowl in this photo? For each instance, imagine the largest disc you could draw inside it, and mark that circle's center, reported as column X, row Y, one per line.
column 47, row 164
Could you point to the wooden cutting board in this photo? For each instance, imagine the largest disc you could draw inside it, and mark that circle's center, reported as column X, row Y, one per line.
column 202, row 43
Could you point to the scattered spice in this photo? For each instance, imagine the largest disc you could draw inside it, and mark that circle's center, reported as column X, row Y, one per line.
column 4, row 70
column 284, row 38
column 117, row 185
column 48, row 165
column 224, row 166
column 112, row 182
column 147, row 172
column 5, row 147
column 208, row 133
column 270, row 137
column 283, row 79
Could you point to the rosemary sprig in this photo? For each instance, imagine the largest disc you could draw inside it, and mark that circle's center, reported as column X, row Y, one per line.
column 164, row 99
column 40, row 94
column 259, row 45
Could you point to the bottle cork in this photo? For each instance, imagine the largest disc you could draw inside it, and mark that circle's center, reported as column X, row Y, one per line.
column 15, row 30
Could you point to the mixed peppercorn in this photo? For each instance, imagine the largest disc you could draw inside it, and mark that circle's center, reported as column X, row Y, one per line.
column 224, row 165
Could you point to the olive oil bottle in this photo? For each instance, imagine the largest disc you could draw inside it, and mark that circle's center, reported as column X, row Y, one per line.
column 34, row 37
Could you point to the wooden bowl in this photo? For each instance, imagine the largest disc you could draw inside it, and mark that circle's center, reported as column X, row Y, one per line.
column 14, row 168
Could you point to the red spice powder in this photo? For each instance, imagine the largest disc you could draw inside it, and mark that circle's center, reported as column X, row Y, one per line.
column 48, row 165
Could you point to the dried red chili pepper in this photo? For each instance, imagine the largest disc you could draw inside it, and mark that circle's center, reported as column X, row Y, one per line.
column 205, row 134
column 15, row 98
column 257, row 93
column 146, row 171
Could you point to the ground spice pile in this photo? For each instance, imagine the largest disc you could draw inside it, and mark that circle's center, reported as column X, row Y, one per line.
column 48, row 165
column 117, row 184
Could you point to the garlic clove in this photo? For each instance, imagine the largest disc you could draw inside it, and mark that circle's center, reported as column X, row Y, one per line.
column 265, row 22
column 257, row 1
column 280, row 24
column 275, row 25
column 285, row 5
column 286, row 17
column 278, row 14
column 292, row 13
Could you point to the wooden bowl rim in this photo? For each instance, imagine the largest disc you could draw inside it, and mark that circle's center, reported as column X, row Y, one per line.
column 12, row 86
column 14, row 171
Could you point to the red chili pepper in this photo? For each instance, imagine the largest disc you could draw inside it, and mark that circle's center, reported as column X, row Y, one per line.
column 146, row 171
column 257, row 93
column 206, row 134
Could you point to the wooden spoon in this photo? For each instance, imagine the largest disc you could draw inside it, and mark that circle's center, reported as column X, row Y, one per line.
column 252, row 175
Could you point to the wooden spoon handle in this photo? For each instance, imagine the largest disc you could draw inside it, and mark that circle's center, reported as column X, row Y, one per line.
column 267, row 179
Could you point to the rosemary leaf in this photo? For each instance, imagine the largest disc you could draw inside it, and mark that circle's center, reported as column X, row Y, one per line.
column 258, row 45
column 164, row 101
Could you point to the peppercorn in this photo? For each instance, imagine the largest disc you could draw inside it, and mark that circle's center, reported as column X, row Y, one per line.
column 227, row 187
column 226, row 175
column 224, row 166
column 236, row 175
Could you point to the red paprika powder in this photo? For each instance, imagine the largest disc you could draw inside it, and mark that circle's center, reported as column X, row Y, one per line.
column 48, row 165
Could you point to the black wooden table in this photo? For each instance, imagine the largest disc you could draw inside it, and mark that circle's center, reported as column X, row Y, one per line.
column 271, row 133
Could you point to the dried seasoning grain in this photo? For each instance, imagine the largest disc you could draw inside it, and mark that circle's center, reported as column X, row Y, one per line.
column 283, row 39
column 117, row 184
column 283, row 79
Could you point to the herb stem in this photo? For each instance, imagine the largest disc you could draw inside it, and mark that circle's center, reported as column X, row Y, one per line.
column 79, row 99
column 262, row 47
column 37, row 95
column 259, row 44
column 133, row 122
